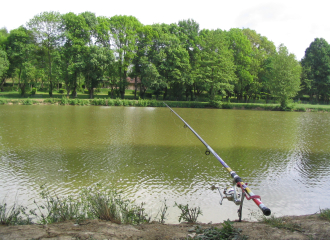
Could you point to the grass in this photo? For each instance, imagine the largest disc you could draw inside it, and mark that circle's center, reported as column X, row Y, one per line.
column 325, row 214
column 281, row 222
column 103, row 99
column 91, row 203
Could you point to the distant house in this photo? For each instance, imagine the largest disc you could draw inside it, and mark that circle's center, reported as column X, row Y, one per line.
column 131, row 83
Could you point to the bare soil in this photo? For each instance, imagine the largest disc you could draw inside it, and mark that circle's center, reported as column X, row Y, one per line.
column 312, row 227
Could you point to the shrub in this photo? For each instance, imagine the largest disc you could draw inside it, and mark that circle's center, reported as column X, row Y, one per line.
column 27, row 102
column 325, row 214
column 118, row 102
column 34, row 91
column 62, row 91
column 188, row 214
column 64, row 100
column 216, row 104
column 3, row 101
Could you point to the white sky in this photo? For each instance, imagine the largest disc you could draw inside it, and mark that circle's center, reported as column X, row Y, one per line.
column 294, row 23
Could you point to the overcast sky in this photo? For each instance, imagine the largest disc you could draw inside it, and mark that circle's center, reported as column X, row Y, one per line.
column 294, row 23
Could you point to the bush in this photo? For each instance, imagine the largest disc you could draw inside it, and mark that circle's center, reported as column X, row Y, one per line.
column 64, row 100
column 27, row 102
column 3, row 101
column 216, row 104
column 34, row 91
column 86, row 91
column 325, row 214
column 118, row 102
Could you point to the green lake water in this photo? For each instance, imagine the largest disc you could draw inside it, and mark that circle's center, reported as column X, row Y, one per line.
column 150, row 156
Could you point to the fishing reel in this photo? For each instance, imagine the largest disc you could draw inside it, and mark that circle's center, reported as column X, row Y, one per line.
column 231, row 193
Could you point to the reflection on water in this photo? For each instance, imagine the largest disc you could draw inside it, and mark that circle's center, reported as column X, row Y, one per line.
column 146, row 152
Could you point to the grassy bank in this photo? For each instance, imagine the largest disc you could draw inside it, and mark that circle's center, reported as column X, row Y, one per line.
column 103, row 99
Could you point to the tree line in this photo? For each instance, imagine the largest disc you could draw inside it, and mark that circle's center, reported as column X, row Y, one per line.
column 179, row 60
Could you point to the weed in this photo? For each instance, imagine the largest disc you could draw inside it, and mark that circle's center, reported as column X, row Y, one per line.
column 228, row 231
column 325, row 214
column 57, row 209
column 15, row 215
column 162, row 211
column 3, row 101
column 188, row 214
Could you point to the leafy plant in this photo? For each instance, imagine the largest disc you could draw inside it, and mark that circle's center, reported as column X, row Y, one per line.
column 228, row 231
column 188, row 214
column 325, row 214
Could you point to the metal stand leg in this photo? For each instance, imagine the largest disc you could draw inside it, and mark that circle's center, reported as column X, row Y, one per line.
column 241, row 207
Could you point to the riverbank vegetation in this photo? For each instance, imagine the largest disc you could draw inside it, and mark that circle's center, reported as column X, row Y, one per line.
column 100, row 208
column 82, row 54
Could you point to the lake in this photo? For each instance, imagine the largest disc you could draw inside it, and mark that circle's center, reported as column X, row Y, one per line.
column 150, row 156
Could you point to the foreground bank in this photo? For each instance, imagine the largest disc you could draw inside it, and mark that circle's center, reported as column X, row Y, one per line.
column 293, row 227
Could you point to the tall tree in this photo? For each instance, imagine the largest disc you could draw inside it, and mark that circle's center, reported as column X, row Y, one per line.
column 316, row 65
column 189, row 30
column 262, row 48
column 170, row 58
column 20, row 47
column 76, row 36
column 241, row 47
column 4, row 65
column 124, row 30
column 215, row 69
column 45, row 26
column 284, row 75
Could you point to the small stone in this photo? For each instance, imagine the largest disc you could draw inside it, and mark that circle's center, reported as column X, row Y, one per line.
column 191, row 230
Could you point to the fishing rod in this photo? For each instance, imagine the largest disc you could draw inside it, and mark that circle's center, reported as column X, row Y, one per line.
column 231, row 192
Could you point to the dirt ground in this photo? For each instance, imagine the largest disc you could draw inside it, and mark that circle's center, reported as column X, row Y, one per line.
column 312, row 227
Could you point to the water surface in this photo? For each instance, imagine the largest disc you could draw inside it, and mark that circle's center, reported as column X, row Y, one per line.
column 147, row 153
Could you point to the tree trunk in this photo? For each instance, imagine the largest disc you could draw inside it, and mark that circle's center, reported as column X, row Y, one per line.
column 3, row 83
column 135, row 85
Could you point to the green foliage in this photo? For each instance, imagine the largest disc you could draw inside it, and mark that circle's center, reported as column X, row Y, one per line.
column 188, row 214
column 15, row 215
column 118, row 102
column 3, row 101
column 64, row 100
column 27, row 102
column 100, row 102
column 216, row 104
column 34, row 91
column 325, row 214
column 56, row 209
column 228, row 231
